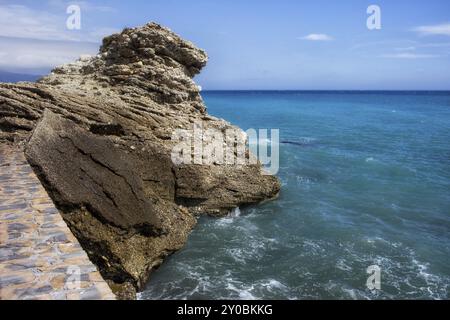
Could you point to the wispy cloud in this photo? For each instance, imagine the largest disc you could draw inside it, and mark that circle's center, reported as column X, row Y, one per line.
column 402, row 49
column 411, row 48
column 317, row 37
column 382, row 44
column 438, row 29
column 20, row 21
column 436, row 45
column 409, row 55
column 85, row 6
column 25, row 54
column 399, row 45
column 34, row 39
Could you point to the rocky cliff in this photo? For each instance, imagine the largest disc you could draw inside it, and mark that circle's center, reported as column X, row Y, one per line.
column 98, row 134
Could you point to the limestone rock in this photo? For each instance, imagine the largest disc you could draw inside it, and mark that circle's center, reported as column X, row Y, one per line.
column 98, row 134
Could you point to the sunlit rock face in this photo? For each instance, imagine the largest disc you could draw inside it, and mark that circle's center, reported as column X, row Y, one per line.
column 98, row 134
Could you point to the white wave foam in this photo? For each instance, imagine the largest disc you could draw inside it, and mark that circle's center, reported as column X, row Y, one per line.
column 244, row 293
column 343, row 266
column 236, row 212
column 228, row 219
column 273, row 284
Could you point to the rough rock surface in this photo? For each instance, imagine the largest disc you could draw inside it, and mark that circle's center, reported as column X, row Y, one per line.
column 98, row 134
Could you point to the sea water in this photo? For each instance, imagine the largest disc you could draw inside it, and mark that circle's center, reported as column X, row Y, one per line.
column 365, row 181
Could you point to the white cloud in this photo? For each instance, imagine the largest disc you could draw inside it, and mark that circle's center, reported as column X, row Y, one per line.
column 408, row 55
column 20, row 21
column 438, row 29
column 317, row 37
column 436, row 45
column 26, row 54
column 36, row 40
column 387, row 43
column 411, row 48
column 85, row 6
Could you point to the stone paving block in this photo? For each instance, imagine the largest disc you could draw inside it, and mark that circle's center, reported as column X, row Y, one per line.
column 37, row 249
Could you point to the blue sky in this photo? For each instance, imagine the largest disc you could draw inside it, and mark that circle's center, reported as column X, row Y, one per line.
column 321, row 44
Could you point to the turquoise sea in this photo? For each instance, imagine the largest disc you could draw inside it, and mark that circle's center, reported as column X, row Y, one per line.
column 365, row 181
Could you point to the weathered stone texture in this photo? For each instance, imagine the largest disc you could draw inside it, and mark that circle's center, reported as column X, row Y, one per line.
column 98, row 134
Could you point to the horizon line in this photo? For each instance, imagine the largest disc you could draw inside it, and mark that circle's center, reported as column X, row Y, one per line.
column 331, row 90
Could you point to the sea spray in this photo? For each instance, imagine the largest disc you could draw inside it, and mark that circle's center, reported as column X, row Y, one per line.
column 236, row 212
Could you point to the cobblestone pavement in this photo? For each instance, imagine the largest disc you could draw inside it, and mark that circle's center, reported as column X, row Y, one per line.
column 39, row 256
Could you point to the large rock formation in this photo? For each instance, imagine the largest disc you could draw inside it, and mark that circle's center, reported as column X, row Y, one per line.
column 98, row 134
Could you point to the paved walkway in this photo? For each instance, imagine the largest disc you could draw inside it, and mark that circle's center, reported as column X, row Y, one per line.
column 39, row 256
